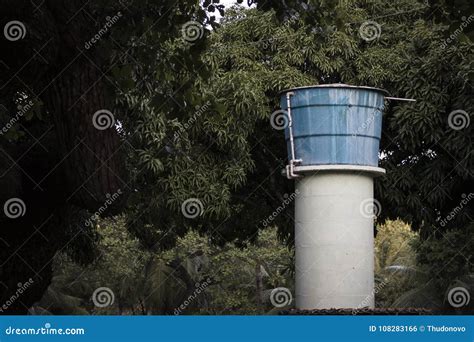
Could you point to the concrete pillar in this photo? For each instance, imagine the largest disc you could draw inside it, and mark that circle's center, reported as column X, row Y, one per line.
column 334, row 231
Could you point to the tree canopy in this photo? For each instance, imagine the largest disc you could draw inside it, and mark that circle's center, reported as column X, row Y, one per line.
column 152, row 109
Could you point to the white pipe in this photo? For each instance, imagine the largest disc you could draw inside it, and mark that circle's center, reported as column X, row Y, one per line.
column 290, row 173
column 334, row 240
column 290, row 124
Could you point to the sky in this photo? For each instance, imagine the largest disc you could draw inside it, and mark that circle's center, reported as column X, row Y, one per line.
column 227, row 4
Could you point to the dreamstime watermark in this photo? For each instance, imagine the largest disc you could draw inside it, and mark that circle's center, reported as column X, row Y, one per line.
column 287, row 201
column 110, row 21
column 14, row 208
column 368, row 300
column 103, row 119
column 279, row 119
column 14, row 30
column 192, row 120
column 192, row 208
column 465, row 23
column 368, row 122
column 192, row 31
column 22, row 110
column 370, row 30
column 103, row 297
column 458, row 297
column 46, row 330
column 200, row 287
column 280, row 297
column 370, row 208
column 111, row 198
column 456, row 210
column 19, row 291
column 458, row 119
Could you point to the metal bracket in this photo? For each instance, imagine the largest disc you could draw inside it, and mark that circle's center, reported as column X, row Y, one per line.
column 290, row 169
column 399, row 99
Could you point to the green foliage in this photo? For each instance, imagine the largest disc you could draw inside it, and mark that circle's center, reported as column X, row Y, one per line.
column 441, row 264
column 219, row 280
column 163, row 289
column 396, row 271
column 195, row 118
column 448, row 258
column 428, row 163
column 235, row 271
column 195, row 114
column 119, row 267
column 424, row 296
column 394, row 245
column 229, row 157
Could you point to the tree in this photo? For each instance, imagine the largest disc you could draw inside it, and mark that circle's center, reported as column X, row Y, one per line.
column 191, row 109
column 396, row 271
column 427, row 145
column 193, row 277
column 62, row 155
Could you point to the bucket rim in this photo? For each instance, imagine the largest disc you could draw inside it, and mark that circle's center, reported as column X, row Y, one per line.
column 335, row 85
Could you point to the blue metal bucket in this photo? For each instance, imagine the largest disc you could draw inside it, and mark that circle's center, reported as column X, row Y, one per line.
column 335, row 124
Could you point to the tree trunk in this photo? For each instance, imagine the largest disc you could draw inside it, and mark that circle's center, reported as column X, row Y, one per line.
column 64, row 164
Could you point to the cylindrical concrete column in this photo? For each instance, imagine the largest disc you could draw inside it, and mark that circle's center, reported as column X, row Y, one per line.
column 334, row 240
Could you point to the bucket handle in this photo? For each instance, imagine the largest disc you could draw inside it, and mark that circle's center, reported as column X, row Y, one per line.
column 399, row 99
